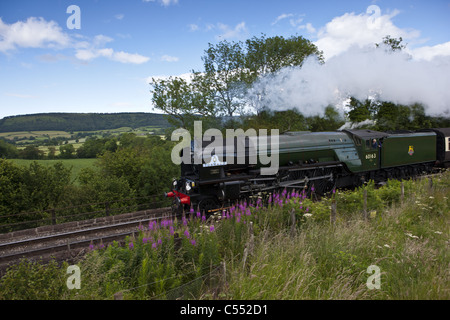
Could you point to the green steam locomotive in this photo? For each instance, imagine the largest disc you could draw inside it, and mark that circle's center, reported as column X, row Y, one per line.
column 319, row 161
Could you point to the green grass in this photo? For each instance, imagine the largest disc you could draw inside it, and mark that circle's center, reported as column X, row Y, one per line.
column 76, row 164
column 406, row 239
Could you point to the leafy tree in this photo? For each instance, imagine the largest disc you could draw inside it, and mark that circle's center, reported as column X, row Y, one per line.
column 8, row 150
column 393, row 44
column 182, row 101
column 359, row 111
column 269, row 55
column 33, row 188
column 66, row 151
column 225, row 74
column 31, row 153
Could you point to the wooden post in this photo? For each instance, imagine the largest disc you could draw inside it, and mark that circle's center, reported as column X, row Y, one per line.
column 365, row 205
column 402, row 195
column 333, row 212
column 292, row 222
column 224, row 272
column 177, row 241
column 52, row 211
column 430, row 179
column 107, row 208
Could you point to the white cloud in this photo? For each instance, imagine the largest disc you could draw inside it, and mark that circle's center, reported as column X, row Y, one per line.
column 350, row 29
column 120, row 56
column 90, row 50
column 90, row 54
column 239, row 31
column 126, row 57
column 193, row 27
column 309, row 27
column 431, row 52
column 32, row 33
column 164, row 3
column 168, row 58
column 39, row 33
column 119, row 16
column 281, row 17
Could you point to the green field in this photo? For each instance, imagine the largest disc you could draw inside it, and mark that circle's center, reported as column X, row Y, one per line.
column 76, row 164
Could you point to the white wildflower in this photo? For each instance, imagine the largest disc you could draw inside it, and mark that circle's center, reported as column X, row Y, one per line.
column 411, row 236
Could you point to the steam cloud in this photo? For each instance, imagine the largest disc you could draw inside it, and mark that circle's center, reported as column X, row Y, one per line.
column 361, row 73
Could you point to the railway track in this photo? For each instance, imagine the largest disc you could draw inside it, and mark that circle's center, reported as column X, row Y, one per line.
column 73, row 242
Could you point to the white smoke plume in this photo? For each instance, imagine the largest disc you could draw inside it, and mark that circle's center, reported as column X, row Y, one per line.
column 361, row 73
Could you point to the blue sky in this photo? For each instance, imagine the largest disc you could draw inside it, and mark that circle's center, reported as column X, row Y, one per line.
column 105, row 65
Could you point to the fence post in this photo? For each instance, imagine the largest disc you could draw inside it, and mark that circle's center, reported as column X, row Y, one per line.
column 107, row 208
column 293, row 222
column 333, row 212
column 430, row 179
column 53, row 213
column 402, row 196
column 365, row 205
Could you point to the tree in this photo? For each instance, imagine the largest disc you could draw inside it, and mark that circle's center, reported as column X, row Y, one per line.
column 393, row 44
column 8, row 150
column 182, row 101
column 359, row 111
column 66, row 151
column 266, row 56
column 225, row 76
column 31, row 153
column 269, row 55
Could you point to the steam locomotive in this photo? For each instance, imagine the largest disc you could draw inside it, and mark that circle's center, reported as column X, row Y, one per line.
column 319, row 160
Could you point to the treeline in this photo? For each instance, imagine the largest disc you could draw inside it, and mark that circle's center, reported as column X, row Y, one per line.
column 137, row 168
column 91, row 148
column 80, row 121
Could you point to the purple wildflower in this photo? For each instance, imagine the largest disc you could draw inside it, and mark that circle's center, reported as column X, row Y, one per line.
column 186, row 233
column 91, row 247
column 211, row 228
column 131, row 245
column 193, row 242
column 172, row 231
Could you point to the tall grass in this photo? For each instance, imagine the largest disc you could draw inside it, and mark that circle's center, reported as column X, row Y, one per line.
column 261, row 254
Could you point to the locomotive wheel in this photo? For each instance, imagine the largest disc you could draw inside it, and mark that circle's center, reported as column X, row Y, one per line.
column 208, row 204
column 324, row 186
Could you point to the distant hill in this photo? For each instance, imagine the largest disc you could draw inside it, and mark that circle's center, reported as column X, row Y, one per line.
column 81, row 121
